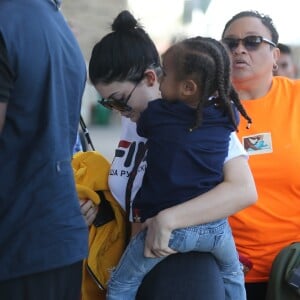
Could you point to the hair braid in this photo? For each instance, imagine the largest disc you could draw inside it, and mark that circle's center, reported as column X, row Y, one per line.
column 225, row 87
column 197, row 61
column 236, row 100
column 208, row 59
column 231, row 91
column 222, row 76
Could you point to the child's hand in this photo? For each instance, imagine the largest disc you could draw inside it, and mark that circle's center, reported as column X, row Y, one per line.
column 246, row 262
column 135, row 228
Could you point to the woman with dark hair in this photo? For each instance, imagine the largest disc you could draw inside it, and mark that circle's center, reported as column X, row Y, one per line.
column 272, row 223
column 124, row 68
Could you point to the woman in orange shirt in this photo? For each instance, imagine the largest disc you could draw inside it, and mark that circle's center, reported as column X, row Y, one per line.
column 263, row 229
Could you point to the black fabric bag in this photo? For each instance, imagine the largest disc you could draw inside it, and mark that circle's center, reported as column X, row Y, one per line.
column 284, row 282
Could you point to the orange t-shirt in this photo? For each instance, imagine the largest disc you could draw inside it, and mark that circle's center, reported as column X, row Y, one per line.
column 273, row 145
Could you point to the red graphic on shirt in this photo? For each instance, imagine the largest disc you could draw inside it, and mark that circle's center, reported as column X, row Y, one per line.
column 128, row 150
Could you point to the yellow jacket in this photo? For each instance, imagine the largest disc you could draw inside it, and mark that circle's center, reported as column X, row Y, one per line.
column 107, row 242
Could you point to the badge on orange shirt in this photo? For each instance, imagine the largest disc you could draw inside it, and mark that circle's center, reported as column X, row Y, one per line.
column 260, row 143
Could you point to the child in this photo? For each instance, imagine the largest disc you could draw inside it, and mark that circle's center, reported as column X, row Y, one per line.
column 188, row 135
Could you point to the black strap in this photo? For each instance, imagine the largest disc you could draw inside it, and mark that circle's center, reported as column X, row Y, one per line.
column 86, row 133
column 142, row 147
column 105, row 211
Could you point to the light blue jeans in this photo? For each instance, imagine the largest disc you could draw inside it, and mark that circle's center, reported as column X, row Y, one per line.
column 215, row 237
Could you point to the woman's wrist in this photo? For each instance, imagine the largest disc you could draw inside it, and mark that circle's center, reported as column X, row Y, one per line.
column 167, row 219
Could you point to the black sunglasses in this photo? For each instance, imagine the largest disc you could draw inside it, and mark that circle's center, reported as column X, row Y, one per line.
column 251, row 42
column 118, row 104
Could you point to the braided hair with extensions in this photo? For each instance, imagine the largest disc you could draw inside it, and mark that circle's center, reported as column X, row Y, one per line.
column 227, row 82
column 207, row 62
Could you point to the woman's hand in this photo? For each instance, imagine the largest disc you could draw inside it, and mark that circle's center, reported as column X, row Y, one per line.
column 158, row 236
column 89, row 210
column 236, row 192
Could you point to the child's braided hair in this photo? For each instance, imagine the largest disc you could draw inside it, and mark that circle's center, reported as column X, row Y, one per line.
column 207, row 61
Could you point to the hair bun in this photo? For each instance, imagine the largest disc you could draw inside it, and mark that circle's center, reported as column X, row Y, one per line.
column 125, row 21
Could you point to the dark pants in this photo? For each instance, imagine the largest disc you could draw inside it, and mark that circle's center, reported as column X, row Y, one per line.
column 256, row 291
column 58, row 284
column 188, row 276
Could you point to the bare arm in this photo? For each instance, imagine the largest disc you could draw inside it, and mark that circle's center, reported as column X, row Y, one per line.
column 3, row 107
column 236, row 192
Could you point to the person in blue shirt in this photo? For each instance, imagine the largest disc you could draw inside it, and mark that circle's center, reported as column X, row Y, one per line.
column 188, row 133
column 43, row 235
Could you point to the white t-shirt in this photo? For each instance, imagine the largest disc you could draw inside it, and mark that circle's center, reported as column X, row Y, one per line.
column 123, row 161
